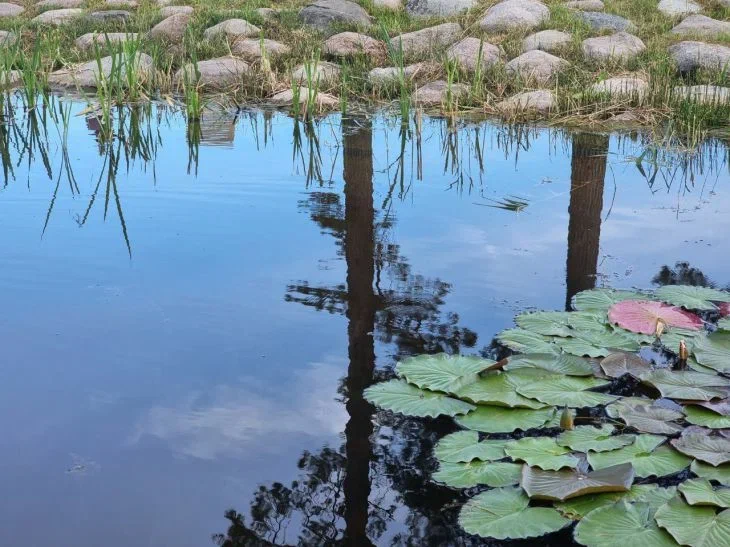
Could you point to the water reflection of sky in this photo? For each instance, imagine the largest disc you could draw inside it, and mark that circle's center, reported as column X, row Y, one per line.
column 140, row 398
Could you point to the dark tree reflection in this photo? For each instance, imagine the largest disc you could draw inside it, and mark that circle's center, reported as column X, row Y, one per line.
column 682, row 274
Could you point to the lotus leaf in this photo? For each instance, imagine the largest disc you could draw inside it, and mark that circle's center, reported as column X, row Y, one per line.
column 504, row 513
column 721, row 473
column 622, row 524
column 585, row 438
column 700, row 444
column 705, row 417
column 496, row 389
column 651, row 419
column 496, row 419
column 647, row 457
column 464, row 446
column 694, row 386
column 569, row 365
column 525, row 341
column 646, row 493
column 596, row 344
column 724, row 323
column 542, row 452
column 642, row 316
column 694, row 525
column 721, row 407
column 692, row 364
column 442, row 372
column 690, row 297
column 547, row 323
column 584, row 321
column 567, row 391
column 701, row 492
column 671, row 339
column 475, row 473
column 618, row 364
column 714, row 351
column 566, row 484
column 400, row 396
column 600, row 300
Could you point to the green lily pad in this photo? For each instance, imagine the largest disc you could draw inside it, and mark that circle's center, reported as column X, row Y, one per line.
column 724, row 323
column 569, row 365
column 442, row 372
column 566, row 484
column 464, row 446
column 599, row 300
column 720, row 473
column 651, row 419
column 547, row 323
column 524, row 341
column 476, row 473
column 618, row 364
column 597, row 344
column 692, row 298
column 646, row 493
column 504, row 513
column 701, row 492
column 713, row 351
column 584, row 321
column 400, row 396
column 694, row 525
column 542, row 452
column 647, row 457
column 622, row 524
column 585, row 438
column 693, row 386
column 567, row 391
column 496, row 419
column 701, row 416
column 496, row 389
column 700, row 444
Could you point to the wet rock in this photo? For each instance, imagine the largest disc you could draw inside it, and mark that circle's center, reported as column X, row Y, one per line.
column 87, row 74
column 705, row 94
column 438, row 8
column 513, row 15
column 327, row 74
column 58, row 4
column 86, row 41
column 10, row 10
column 622, row 87
column 536, row 66
column 267, row 14
column 585, row 5
column 220, row 73
column 676, row 8
column 58, row 17
column 11, row 79
column 546, row 40
column 171, row 29
column 391, row 75
column 323, row 101
column 437, row 93
column 625, row 118
column 701, row 25
column 388, row 4
column 621, row 46
column 322, row 13
column 427, row 40
column 130, row 4
column 169, row 11
column 109, row 16
column 541, row 101
column 251, row 50
column 163, row 3
column 8, row 38
column 466, row 54
column 606, row 21
column 232, row 29
column 691, row 56
column 349, row 44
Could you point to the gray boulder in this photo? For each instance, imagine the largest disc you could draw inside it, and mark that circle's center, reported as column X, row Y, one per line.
column 10, row 10
column 86, row 41
column 691, row 56
column 585, row 5
column 327, row 74
column 466, row 54
column 58, row 17
column 220, row 73
column 323, row 13
column 702, row 26
column 120, row 4
column 7, row 38
column 251, row 49
column 541, row 101
column 438, row 8
column 437, row 93
column 546, row 40
column 171, row 29
column 351, row 44
column 428, row 40
column 115, row 16
column 621, row 46
column 536, row 66
column 323, row 101
column 388, row 4
column 391, row 75
column 267, row 14
column 676, row 8
column 705, row 94
column 58, row 4
column 622, row 87
column 512, row 15
column 232, row 29
column 88, row 75
column 169, row 11
column 606, row 21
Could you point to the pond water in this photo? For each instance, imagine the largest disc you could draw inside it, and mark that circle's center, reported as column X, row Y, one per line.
column 191, row 314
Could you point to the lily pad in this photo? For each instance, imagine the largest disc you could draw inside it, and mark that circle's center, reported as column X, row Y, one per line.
column 547, row 323
column 496, row 389
column 647, row 457
column 442, row 372
column 569, row 365
column 694, row 525
column 566, row 484
column 476, row 473
column 651, row 419
column 496, row 419
column 694, row 386
column 567, row 391
column 700, row 444
column 690, row 297
column 642, row 316
column 585, row 438
column 542, row 452
column 600, row 300
column 702, row 416
column 721, row 473
column 620, row 363
column 400, row 396
column 524, row 341
column 713, row 351
column 597, row 344
column 622, row 524
column 701, row 492
column 464, row 446
column 646, row 493
column 724, row 323
column 504, row 513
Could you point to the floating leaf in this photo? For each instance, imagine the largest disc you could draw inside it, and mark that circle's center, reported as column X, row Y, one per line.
column 569, row 365
column 651, row 494
column 442, row 372
column 700, row 444
column 495, row 419
column 724, row 323
column 496, row 389
column 464, row 446
column 647, row 457
column 713, row 351
column 642, row 316
column 705, row 417
column 596, row 344
column 651, row 419
column 721, row 407
column 585, row 321
column 400, row 396
column 701, row 492
column 567, row 391
column 542, row 452
column 586, row 438
column 562, row 485
column 600, row 300
column 525, row 341
column 692, row 298
column 504, row 513
column 618, row 364
column 694, row 386
column 547, row 323
column 622, row 524
column 694, row 525
column 721, row 473
column 476, row 473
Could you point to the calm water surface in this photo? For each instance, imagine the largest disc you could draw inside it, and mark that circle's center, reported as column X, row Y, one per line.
column 190, row 315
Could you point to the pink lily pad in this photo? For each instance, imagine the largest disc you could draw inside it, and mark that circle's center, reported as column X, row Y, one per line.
column 724, row 308
column 642, row 316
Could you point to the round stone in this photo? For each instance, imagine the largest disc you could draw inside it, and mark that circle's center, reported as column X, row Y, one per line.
column 512, row 15
column 622, row 87
column 322, row 14
column 10, row 10
column 540, row 101
column 536, row 66
column 437, row 93
column 616, row 47
column 427, row 41
column 350, row 44
column 220, row 73
column 232, row 29
column 468, row 52
column 546, row 40
column 677, row 8
column 254, row 50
